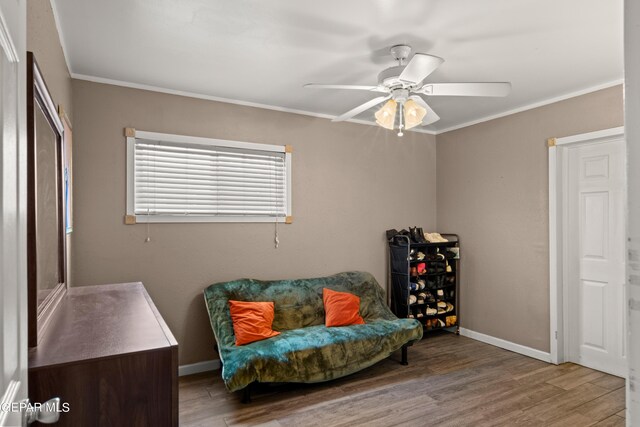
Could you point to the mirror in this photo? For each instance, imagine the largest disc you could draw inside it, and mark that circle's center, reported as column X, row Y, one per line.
column 46, row 260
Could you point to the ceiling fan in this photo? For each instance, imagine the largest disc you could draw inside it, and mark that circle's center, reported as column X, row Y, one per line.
column 403, row 88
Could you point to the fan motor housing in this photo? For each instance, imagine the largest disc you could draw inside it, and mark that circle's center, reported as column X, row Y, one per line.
column 390, row 77
column 400, row 95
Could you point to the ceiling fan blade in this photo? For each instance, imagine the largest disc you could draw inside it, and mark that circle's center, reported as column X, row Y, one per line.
column 466, row 89
column 360, row 108
column 420, row 66
column 349, row 87
column 431, row 116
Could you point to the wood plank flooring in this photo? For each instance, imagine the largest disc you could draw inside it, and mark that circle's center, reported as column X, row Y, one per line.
column 450, row 381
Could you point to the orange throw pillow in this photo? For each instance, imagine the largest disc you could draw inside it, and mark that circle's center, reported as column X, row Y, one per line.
column 252, row 321
column 341, row 308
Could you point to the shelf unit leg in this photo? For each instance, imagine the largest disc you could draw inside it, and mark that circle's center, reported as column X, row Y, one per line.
column 246, row 394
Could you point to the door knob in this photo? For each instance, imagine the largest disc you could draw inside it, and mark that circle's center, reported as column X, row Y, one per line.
column 46, row 413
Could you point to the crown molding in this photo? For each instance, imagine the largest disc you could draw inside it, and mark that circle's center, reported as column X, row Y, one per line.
column 328, row 116
column 65, row 51
column 225, row 100
column 533, row 105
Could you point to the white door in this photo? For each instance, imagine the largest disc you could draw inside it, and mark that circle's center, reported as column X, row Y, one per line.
column 596, row 256
column 13, row 283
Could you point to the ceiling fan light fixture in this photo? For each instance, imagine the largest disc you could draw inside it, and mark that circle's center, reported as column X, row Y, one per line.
column 402, row 86
column 386, row 116
column 413, row 114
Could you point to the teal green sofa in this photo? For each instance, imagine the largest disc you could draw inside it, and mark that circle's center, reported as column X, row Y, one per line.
column 306, row 351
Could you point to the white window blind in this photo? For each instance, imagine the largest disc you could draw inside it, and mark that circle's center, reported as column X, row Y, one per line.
column 199, row 180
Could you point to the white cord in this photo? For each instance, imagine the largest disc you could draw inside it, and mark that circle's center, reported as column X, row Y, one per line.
column 148, row 239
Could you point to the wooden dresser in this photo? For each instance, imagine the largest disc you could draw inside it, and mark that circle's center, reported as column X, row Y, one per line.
column 108, row 353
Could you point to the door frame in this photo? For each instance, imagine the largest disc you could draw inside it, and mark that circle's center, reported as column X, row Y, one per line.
column 13, row 214
column 558, row 180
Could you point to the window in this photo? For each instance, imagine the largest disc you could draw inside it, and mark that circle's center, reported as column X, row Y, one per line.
column 174, row 178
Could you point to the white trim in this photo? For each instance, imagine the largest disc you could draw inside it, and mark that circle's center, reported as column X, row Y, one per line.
column 6, row 43
column 563, row 236
column 131, row 173
column 8, row 398
column 143, row 219
column 41, row 89
column 507, row 345
column 196, row 368
column 554, row 234
column 632, row 134
column 533, row 105
column 225, row 100
column 597, row 136
column 557, row 181
column 168, row 137
column 289, row 172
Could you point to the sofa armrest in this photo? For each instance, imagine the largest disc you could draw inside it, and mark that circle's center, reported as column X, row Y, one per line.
column 220, row 318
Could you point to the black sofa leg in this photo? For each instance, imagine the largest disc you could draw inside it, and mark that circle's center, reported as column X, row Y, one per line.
column 246, row 394
column 404, row 356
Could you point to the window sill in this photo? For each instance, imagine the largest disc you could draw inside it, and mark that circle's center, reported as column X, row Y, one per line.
column 143, row 219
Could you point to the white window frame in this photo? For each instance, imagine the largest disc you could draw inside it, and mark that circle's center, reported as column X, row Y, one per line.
column 132, row 218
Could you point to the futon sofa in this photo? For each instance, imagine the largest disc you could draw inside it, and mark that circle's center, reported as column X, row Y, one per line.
column 305, row 350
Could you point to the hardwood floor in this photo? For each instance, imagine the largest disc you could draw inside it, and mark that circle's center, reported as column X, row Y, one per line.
column 450, row 381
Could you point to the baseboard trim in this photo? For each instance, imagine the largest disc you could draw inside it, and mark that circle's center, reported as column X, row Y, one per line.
column 507, row 345
column 196, row 368
column 212, row 365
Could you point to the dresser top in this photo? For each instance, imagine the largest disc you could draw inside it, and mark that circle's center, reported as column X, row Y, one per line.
column 95, row 322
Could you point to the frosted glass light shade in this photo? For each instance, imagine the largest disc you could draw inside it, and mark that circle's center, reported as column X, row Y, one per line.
column 386, row 116
column 413, row 114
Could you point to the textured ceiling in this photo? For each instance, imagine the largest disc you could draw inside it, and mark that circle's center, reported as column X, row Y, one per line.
column 262, row 52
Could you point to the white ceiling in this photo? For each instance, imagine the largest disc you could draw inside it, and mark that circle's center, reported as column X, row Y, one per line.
column 263, row 51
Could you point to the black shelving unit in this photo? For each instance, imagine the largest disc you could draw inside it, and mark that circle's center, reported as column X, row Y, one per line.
column 425, row 281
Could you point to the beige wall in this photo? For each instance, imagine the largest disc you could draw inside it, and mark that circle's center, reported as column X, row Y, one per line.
column 351, row 182
column 44, row 41
column 493, row 191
